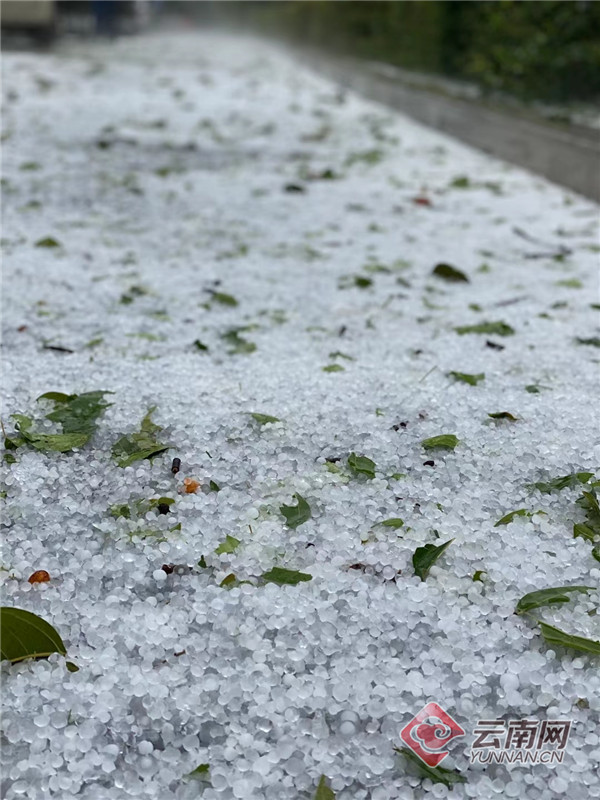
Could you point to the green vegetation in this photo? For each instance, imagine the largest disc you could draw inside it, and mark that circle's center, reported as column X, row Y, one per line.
column 77, row 414
column 285, row 577
column 491, row 328
column 557, row 638
column 565, row 482
column 361, row 465
column 25, row 635
column 435, row 774
column 449, row 273
column 137, row 446
column 298, row 514
column 546, row 597
column 547, row 50
column 264, row 419
column 425, row 557
column 466, row 377
column 445, row 441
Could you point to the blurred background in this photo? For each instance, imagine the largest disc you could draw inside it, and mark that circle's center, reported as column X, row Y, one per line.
column 520, row 80
column 538, row 51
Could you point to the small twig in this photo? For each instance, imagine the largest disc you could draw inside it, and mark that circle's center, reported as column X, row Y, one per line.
column 57, row 348
column 427, row 374
column 560, row 251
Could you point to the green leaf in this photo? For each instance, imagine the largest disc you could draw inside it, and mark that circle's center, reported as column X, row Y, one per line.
column 47, row 241
column 570, row 283
column 71, row 666
column 214, row 486
column 449, row 273
column 585, row 531
column 589, row 502
column 296, row 515
column 520, row 512
column 230, row 545
column 200, row 346
column 140, row 507
column 490, row 328
column 77, row 413
column 466, row 377
column 25, row 635
column 58, row 397
column 136, row 446
column 425, row 557
column 200, row 773
column 339, row 354
column 57, row 442
column 264, row 419
column 333, row 368
column 12, row 443
column 436, row 774
column 394, row 522
column 557, row 638
column 48, row 442
column 534, row 388
column 224, row 299
column 546, row 597
column 285, row 577
column 361, row 282
column 22, row 423
column 120, row 510
column 361, row 465
column 593, row 341
column 477, row 575
column 132, row 293
column 238, row 344
column 590, row 529
column 503, row 415
column 154, row 502
column 445, row 441
column 565, row 482
column 147, row 337
column 323, row 791
column 461, row 182
column 365, row 156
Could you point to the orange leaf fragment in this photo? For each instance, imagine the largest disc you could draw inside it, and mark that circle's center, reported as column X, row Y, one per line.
column 191, row 485
column 39, row 576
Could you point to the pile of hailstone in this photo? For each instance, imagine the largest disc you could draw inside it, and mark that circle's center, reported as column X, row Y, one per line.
column 367, row 345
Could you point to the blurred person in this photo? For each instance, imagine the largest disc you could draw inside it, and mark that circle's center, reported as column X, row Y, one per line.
column 105, row 16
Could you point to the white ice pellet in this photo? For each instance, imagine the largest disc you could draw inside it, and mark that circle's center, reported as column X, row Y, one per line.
column 347, row 728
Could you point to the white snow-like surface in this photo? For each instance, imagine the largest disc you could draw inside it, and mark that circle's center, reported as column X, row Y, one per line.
column 160, row 162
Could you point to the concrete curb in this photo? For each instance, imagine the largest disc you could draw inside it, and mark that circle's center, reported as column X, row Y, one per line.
column 565, row 154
